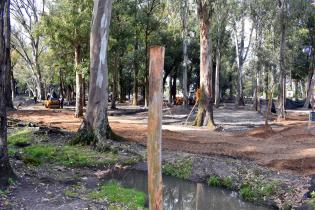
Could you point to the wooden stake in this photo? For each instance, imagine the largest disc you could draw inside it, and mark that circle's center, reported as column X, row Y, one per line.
column 155, row 186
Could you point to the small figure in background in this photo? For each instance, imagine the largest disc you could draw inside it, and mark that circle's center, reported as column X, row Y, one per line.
column 48, row 96
column 35, row 99
column 61, row 102
column 54, row 95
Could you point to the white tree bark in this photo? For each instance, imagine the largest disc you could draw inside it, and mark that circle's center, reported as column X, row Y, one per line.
column 96, row 119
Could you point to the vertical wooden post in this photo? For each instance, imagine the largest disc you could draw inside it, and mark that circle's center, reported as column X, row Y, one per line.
column 155, row 187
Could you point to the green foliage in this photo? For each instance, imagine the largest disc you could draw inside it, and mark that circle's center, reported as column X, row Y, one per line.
column 11, row 181
column 180, row 169
column 115, row 193
column 313, row 194
column 70, row 193
column 68, row 155
column 216, row 181
column 20, row 138
column 256, row 189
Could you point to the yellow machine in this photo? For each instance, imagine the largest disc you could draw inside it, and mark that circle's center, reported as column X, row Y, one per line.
column 52, row 103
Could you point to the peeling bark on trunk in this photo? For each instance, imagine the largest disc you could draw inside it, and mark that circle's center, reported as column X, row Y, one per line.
column 96, row 120
column 78, row 84
column 5, row 168
column 205, row 109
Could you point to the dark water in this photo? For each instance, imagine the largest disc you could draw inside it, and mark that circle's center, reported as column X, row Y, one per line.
column 186, row 195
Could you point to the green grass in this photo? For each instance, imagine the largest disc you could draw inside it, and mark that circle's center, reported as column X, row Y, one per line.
column 115, row 193
column 70, row 193
column 68, row 155
column 257, row 190
column 216, row 181
column 180, row 169
column 20, row 138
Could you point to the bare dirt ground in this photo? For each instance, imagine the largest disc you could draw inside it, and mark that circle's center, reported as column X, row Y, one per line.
column 288, row 145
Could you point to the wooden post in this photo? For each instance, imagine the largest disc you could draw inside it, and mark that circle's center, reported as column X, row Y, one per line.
column 155, row 187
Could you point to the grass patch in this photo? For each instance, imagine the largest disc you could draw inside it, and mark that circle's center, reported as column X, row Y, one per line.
column 70, row 193
column 20, row 138
column 115, row 193
column 216, row 181
column 257, row 190
column 74, row 156
column 180, row 169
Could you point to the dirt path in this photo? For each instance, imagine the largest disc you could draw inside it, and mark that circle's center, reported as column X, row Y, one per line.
column 289, row 146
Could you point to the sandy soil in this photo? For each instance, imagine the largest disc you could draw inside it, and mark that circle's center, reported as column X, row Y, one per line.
column 288, row 145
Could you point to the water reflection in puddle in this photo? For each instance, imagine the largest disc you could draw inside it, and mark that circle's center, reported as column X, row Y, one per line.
column 185, row 195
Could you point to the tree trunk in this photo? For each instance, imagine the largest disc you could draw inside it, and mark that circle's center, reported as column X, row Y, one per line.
column 174, row 88
column 7, row 32
column 5, row 168
column 185, row 54
column 170, row 100
column 61, row 86
column 282, row 95
column 135, row 60
column 78, row 84
column 205, row 109
column 217, row 75
column 96, row 120
column 83, row 91
column 122, row 87
column 13, row 85
column 115, row 84
column 311, row 83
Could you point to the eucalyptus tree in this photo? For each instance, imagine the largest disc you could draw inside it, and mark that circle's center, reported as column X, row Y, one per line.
column 309, row 49
column 68, row 25
column 282, row 7
column 185, row 19
column 262, row 15
column 222, row 10
column 149, row 10
column 205, row 108
column 25, row 40
column 5, row 168
column 96, row 119
column 238, row 25
column 121, row 38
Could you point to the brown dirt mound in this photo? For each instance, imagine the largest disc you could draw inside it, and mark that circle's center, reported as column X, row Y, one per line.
column 305, row 165
column 264, row 131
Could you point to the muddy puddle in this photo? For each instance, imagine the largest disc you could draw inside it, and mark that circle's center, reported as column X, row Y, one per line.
column 185, row 195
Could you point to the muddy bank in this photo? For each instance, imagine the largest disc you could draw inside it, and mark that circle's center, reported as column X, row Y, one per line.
column 255, row 183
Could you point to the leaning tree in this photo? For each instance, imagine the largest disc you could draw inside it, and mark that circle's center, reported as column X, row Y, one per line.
column 5, row 168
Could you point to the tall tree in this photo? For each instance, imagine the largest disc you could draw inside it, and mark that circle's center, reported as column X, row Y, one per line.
column 184, row 9
column 282, row 4
column 68, row 25
column 5, row 168
column 205, row 108
column 241, row 49
column 96, row 120
column 26, row 14
column 7, row 26
column 222, row 13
